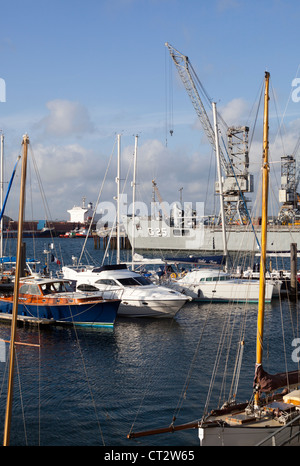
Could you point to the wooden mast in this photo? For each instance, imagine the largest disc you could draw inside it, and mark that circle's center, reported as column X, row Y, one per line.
column 7, row 423
column 261, row 305
column 264, row 217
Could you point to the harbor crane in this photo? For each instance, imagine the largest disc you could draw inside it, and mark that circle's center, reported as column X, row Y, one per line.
column 235, row 161
column 288, row 194
column 162, row 205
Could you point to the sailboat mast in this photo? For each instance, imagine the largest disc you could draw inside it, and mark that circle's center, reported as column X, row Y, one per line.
column 133, row 201
column 264, row 217
column 214, row 107
column 7, row 423
column 1, row 192
column 118, row 199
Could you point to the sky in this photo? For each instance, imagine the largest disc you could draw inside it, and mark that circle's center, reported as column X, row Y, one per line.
column 77, row 73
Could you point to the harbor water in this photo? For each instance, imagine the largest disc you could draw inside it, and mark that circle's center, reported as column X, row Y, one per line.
column 90, row 387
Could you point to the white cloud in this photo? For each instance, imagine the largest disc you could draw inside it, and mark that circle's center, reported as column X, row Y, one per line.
column 235, row 111
column 66, row 118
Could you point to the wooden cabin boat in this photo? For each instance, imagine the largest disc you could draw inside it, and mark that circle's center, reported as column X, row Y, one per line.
column 53, row 301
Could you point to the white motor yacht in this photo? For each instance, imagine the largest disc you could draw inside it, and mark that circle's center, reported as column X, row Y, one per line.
column 139, row 296
column 207, row 284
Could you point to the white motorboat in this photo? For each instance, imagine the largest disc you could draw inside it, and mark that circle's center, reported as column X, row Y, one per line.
column 274, row 277
column 139, row 296
column 207, row 284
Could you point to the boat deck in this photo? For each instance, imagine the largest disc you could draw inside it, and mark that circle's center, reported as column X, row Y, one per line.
column 269, row 416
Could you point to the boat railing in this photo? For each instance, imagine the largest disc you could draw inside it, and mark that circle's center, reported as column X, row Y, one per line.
column 287, row 435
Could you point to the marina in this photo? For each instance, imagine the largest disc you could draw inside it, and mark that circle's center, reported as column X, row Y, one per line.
column 164, row 312
column 70, row 291
column 96, row 385
column 111, row 298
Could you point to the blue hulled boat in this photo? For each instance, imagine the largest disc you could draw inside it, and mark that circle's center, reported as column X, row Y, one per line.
column 52, row 301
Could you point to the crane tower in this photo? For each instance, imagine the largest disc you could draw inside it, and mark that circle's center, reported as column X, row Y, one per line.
column 235, row 161
column 288, row 194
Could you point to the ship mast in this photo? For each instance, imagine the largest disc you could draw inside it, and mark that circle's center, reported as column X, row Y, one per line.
column 7, row 423
column 214, row 107
column 264, row 216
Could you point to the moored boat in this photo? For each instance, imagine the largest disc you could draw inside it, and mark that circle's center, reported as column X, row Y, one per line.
column 140, row 297
column 52, row 301
column 208, row 284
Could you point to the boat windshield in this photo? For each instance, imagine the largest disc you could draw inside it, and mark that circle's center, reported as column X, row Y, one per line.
column 55, row 287
column 136, row 281
column 30, row 289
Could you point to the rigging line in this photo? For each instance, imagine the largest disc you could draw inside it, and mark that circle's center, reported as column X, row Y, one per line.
column 150, row 379
column 97, row 202
column 283, row 339
column 31, row 206
column 279, row 125
column 168, row 95
column 239, row 355
column 48, row 217
column 209, row 177
column 89, row 385
column 39, row 385
column 256, row 115
column 188, row 378
column 259, row 91
column 217, row 361
column 21, row 397
column 39, row 179
column 229, row 336
column 288, row 100
column 115, row 221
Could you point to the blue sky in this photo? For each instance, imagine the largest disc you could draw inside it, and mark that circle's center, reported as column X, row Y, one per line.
column 79, row 72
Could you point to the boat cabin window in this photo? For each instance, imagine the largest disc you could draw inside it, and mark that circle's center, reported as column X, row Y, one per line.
column 55, row 287
column 214, row 279
column 86, row 287
column 30, row 289
column 143, row 281
column 181, row 232
column 106, row 281
column 136, row 281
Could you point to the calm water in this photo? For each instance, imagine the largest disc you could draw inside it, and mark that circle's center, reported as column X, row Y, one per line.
column 87, row 387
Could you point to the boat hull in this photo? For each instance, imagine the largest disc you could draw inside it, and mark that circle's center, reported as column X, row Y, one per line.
column 227, row 291
column 157, row 234
column 242, row 436
column 147, row 308
column 147, row 300
column 101, row 314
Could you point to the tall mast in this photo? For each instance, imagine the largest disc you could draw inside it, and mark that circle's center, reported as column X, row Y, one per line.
column 118, row 199
column 214, row 107
column 1, row 192
column 16, row 295
column 264, row 215
column 133, row 201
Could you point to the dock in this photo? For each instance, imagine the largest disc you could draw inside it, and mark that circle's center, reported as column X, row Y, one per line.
column 102, row 239
column 5, row 317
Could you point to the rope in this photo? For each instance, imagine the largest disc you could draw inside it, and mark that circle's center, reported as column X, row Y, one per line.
column 98, row 199
column 188, row 378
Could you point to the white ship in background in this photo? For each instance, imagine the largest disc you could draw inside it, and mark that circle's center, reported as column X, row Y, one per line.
column 180, row 230
column 163, row 234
